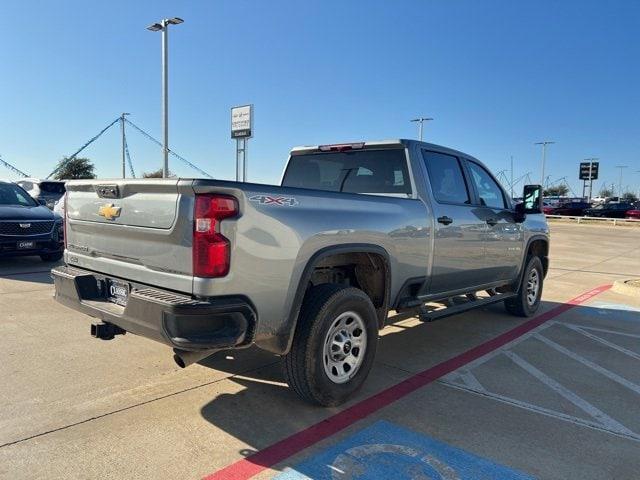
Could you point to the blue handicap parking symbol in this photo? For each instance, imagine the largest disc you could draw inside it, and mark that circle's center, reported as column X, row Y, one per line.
column 387, row 451
column 613, row 311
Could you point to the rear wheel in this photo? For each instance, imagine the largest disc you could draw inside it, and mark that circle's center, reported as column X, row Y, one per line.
column 333, row 346
column 51, row 257
column 527, row 301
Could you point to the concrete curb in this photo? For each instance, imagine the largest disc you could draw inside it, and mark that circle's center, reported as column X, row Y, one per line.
column 627, row 287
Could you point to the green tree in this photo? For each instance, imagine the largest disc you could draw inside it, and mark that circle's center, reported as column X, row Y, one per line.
column 156, row 174
column 75, row 168
column 605, row 192
column 629, row 197
column 556, row 191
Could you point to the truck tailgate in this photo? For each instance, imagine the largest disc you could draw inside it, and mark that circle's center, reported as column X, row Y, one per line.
column 139, row 230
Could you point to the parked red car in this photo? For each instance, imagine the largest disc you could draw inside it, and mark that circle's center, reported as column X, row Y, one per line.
column 634, row 213
column 575, row 209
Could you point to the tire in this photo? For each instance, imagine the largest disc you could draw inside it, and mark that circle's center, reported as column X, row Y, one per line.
column 51, row 257
column 522, row 305
column 327, row 311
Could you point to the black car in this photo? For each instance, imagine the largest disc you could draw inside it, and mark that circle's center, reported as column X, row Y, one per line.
column 27, row 227
column 609, row 210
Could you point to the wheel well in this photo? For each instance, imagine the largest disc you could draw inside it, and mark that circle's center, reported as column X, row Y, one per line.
column 364, row 270
column 540, row 248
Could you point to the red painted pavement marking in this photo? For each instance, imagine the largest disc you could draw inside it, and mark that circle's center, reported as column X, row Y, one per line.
column 279, row 451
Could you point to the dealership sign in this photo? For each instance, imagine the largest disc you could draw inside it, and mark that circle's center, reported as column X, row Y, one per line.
column 242, row 121
column 589, row 170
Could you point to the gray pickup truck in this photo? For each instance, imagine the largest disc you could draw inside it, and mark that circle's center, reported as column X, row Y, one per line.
column 308, row 270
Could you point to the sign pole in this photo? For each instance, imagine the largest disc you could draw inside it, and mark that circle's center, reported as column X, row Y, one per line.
column 590, row 178
column 242, row 131
column 245, row 143
column 237, row 159
column 589, row 172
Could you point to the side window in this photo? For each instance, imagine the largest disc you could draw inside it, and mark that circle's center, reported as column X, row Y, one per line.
column 489, row 191
column 446, row 178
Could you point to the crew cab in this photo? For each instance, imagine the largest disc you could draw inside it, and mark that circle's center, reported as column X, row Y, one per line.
column 309, row 269
column 27, row 227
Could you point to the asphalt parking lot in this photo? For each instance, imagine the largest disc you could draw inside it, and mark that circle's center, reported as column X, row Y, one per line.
column 479, row 395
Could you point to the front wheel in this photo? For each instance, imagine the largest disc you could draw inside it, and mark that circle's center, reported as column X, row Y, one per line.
column 527, row 300
column 333, row 346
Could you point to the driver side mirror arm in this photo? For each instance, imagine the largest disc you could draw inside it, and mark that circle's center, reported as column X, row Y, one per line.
column 519, row 213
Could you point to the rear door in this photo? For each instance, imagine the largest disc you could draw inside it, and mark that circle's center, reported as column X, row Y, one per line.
column 459, row 228
column 504, row 238
column 140, row 230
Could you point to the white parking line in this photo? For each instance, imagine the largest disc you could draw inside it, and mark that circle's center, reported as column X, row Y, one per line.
column 604, row 342
column 578, row 358
column 579, row 402
column 470, row 380
column 540, row 410
column 476, row 363
column 597, row 329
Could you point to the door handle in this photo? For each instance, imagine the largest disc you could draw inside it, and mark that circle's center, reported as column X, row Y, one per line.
column 445, row 220
column 492, row 221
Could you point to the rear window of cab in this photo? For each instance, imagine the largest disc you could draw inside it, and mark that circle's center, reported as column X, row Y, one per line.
column 357, row 171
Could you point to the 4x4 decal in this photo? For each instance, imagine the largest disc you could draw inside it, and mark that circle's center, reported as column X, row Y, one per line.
column 277, row 201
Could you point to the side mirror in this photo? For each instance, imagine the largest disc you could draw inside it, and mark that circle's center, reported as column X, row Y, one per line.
column 42, row 202
column 531, row 202
column 532, row 199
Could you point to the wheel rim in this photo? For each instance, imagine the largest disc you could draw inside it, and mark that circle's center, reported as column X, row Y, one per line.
column 344, row 347
column 533, row 287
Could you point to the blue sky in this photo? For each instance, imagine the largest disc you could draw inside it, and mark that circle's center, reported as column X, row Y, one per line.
column 496, row 75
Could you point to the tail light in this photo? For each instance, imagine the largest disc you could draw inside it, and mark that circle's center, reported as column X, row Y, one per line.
column 211, row 249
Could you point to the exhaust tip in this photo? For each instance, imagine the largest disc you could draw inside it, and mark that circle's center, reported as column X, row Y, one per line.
column 184, row 358
column 179, row 361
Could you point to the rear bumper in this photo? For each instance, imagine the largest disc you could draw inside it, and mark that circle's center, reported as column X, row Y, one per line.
column 174, row 319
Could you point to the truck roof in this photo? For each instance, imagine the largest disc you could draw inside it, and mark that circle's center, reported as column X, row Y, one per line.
column 390, row 143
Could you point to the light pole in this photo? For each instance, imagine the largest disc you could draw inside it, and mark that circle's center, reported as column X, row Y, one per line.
column 511, row 183
column 124, row 170
column 163, row 26
column 544, row 157
column 420, row 121
column 621, row 167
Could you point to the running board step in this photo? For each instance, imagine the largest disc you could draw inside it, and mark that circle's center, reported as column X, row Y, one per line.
column 426, row 315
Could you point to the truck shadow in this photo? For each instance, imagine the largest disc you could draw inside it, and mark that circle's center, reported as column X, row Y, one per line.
column 263, row 410
column 26, row 269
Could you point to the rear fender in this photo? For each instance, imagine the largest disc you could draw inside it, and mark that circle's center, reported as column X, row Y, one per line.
column 284, row 340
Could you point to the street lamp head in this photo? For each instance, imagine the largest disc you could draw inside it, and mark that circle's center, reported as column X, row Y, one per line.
column 175, row 21
column 155, row 27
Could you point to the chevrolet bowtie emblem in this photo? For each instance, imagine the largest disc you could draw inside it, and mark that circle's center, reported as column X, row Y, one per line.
column 109, row 211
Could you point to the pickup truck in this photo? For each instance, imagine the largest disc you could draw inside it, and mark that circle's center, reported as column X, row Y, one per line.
column 308, row 270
